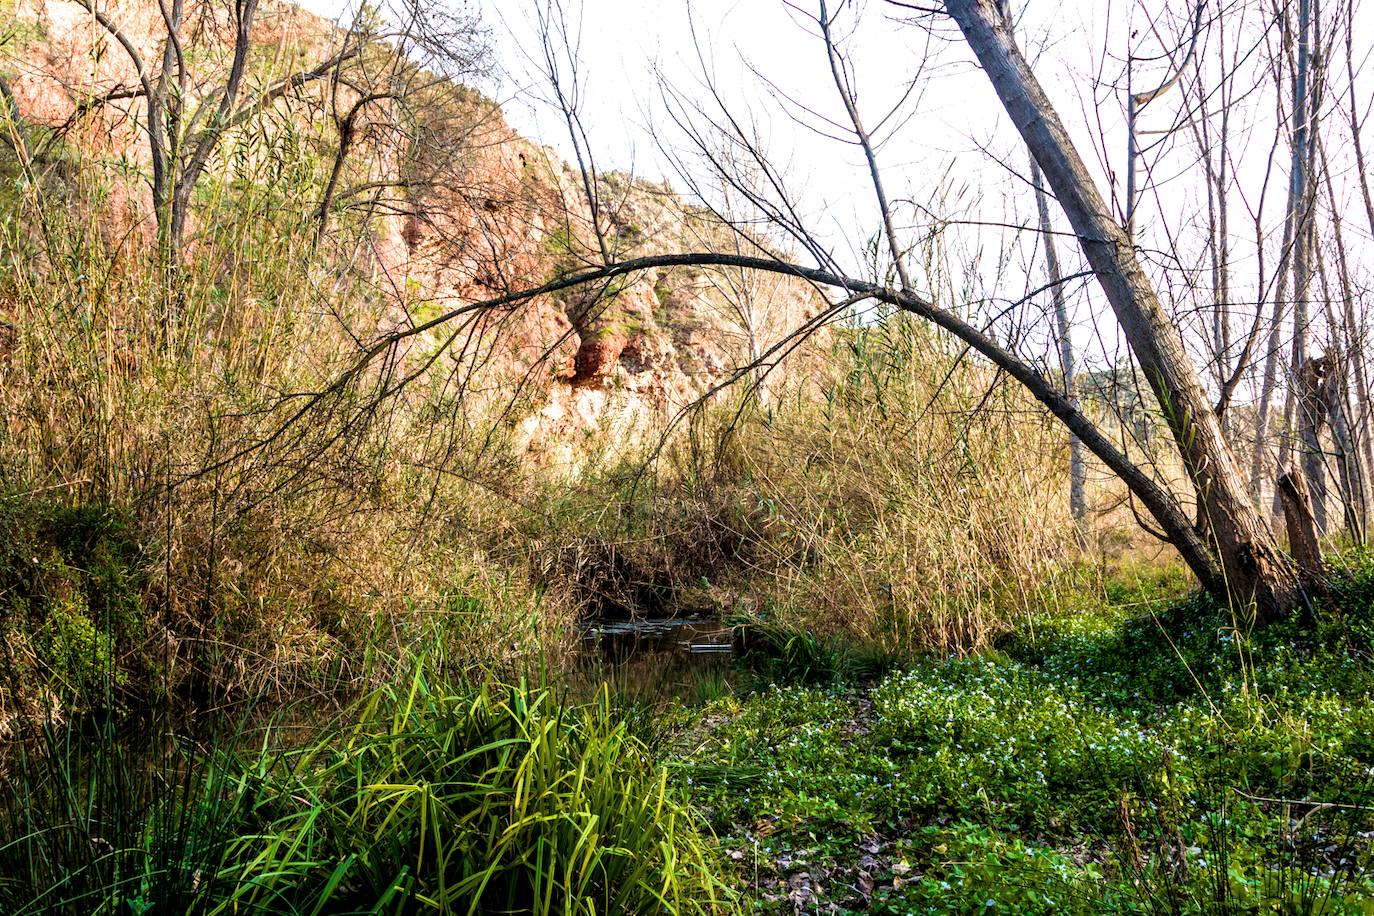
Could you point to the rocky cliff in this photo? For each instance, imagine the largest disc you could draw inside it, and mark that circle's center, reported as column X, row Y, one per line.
column 459, row 211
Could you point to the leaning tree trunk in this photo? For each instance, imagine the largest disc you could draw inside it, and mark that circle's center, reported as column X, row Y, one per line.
column 1078, row 474
column 1255, row 568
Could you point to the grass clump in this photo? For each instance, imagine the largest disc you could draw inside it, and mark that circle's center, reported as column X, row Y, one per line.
column 433, row 798
column 498, row 799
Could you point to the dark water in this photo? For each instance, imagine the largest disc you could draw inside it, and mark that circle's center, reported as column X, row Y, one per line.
column 688, row 636
column 669, row 655
column 659, row 659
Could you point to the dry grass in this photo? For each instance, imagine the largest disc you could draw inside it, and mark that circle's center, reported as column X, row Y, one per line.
column 305, row 564
column 919, row 504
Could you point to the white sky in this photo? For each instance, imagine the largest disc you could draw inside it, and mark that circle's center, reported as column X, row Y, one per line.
column 623, row 43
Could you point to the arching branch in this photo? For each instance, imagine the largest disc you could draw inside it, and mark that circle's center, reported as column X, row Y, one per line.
column 1160, row 503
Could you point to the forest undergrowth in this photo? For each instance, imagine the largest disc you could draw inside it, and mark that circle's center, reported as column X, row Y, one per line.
column 1138, row 754
column 283, row 636
column 1144, row 755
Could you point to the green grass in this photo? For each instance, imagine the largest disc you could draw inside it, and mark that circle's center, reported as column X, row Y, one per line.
column 1145, row 757
column 431, row 799
column 1128, row 760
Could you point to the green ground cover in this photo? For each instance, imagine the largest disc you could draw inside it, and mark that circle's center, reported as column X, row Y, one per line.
column 1143, row 757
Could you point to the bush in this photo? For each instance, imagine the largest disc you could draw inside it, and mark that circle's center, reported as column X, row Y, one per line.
column 73, row 580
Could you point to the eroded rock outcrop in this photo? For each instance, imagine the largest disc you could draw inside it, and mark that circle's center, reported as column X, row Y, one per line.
column 498, row 214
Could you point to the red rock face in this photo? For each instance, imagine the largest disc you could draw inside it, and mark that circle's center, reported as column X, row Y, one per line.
column 597, row 358
column 504, row 216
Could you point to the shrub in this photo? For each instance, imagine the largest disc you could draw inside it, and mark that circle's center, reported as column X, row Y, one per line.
column 494, row 799
column 72, row 580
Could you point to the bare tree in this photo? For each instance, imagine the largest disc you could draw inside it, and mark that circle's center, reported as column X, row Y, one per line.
column 1063, row 330
column 1136, row 103
column 188, row 111
column 1078, row 472
column 1248, row 552
column 1301, row 201
column 403, row 101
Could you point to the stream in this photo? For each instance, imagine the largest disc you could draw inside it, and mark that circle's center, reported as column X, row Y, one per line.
column 619, row 640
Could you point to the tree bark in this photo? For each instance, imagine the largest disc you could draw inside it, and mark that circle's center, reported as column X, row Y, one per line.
column 1259, row 463
column 1078, row 502
column 1301, row 201
column 1256, row 569
column 1302, row 527
column 1354, row 376
column 1348, row 465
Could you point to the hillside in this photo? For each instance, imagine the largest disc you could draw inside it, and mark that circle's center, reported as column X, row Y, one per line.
column 463, row 211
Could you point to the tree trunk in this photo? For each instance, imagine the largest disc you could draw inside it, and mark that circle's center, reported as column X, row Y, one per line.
column 1348, row 466
column 1078, row 503
column 1259, row 464
column 1300, row 199
column 1354, row 377
column 1312, row 378
column 1255, row 568
column 1302, row 527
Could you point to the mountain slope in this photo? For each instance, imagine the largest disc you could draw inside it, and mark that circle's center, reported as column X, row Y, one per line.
column 431, row 196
